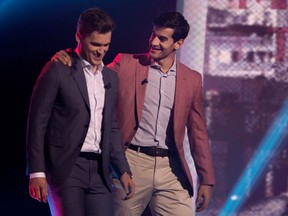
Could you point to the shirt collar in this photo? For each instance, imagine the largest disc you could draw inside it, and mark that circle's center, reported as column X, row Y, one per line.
column 87, row 65
column 155, row 65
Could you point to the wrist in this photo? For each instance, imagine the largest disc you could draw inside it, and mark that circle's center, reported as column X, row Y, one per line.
column 127, row 173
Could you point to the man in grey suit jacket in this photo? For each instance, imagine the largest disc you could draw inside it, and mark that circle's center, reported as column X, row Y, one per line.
column 72, row 134
column 159, row 99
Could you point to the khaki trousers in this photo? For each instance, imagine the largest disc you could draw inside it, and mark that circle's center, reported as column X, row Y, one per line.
column 160, row 183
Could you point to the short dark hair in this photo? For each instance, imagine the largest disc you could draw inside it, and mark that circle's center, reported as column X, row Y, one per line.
column 95, row 19
column 174, row 20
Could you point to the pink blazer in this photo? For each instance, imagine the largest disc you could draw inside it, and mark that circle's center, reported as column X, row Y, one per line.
column 132, row 71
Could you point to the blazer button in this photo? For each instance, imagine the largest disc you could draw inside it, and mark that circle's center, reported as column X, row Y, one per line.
column 126, row 144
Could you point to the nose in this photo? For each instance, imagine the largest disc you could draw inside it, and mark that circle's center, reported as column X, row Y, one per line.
column 154, row 41
column 101, row 50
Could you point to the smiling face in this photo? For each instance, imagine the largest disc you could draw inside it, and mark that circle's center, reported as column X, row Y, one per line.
column 162, row 45
column 93, row 47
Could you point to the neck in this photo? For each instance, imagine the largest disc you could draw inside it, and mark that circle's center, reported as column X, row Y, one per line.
column 166, row 63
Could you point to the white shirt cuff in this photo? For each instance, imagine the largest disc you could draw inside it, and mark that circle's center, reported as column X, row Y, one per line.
column 37, row 175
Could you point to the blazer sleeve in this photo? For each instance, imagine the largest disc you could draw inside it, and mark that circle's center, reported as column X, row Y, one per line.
column 198, row 138
column 40, row 108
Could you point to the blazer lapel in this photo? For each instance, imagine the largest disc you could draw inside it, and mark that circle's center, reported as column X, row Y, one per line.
column 107, row 86
column 106, row 79
column 79, row 77
column 180, row 91
column 141, row 80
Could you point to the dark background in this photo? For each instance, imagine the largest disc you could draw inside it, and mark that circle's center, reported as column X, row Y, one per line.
column 31, row 31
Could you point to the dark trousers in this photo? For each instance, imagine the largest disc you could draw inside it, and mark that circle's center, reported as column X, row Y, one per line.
column 83, row 193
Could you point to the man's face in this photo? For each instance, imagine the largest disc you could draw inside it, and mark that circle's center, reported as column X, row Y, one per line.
column 162, row 44
column 94, row 46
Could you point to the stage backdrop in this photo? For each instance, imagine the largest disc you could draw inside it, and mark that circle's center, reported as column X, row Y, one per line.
column 240, row 48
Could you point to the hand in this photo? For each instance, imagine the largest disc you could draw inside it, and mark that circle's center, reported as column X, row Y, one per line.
column 203, row 197
column 128, row 185
column 63, row 57
column 38, row 189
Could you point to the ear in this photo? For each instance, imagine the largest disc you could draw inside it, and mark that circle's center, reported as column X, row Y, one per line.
column 178, row 44
column 77, row 36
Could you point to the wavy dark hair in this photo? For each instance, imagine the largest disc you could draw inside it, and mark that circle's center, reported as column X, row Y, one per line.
column 174, row 20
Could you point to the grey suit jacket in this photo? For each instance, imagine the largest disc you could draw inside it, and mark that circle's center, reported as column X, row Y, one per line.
column 58, row 121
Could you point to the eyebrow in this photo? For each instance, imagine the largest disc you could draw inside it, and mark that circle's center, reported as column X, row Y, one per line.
column 162, row 38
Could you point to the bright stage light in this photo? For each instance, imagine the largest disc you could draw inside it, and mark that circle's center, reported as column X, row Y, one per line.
column 262, row 156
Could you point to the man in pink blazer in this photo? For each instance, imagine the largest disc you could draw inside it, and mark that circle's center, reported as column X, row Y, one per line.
column 158, row 99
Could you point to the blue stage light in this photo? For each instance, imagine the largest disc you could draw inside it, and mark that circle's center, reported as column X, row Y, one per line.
column 262, row 156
